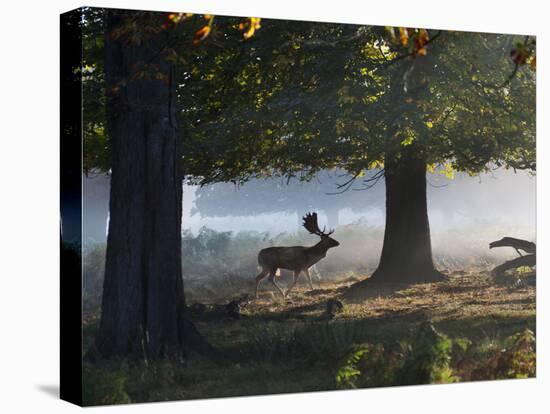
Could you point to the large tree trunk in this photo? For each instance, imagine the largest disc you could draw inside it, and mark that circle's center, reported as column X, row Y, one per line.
column 143, row 299
column 406, row 252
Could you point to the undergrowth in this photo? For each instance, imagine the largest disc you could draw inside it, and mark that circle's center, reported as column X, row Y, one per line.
column 312, row 357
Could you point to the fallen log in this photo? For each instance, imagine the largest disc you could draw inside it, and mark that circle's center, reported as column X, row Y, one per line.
column 231, row 309
column 518, row 244
column 527, row 260
column 524, row 260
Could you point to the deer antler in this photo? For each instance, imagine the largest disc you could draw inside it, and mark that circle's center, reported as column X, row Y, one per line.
column 310, row 224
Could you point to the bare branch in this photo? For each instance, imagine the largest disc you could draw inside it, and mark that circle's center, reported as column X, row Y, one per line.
column 346, row 186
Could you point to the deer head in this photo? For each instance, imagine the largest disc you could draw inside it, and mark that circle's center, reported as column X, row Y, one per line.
column 310, row 224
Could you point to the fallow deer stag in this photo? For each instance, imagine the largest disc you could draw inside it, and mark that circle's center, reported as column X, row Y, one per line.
column 296, row 258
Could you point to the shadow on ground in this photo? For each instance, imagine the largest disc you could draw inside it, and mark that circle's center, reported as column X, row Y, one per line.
column 49, row 389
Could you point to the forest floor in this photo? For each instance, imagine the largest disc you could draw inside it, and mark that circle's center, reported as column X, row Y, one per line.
column 280, row 345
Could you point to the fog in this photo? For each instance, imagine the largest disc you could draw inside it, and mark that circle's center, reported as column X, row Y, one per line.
column 466, row 213
column 503, row 198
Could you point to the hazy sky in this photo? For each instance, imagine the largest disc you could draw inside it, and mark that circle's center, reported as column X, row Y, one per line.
column 502, row 197
column 503, row 200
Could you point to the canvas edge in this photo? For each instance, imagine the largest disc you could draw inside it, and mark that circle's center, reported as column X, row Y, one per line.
column 71, row 208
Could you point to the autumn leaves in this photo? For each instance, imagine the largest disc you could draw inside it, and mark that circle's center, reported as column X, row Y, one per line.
column 248, row 26
column 415, row 39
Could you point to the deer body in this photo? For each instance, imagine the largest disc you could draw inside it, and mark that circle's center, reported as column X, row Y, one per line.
column 295, row 258
column 292, row 258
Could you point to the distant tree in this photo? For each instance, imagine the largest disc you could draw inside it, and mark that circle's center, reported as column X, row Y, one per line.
column 273, row 195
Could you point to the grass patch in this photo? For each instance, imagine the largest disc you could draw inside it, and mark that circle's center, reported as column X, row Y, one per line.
column 465, row 329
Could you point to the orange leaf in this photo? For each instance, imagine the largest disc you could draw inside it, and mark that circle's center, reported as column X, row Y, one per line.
column 517, row 57
column 404, row 36
column 420, row 41
column 201, row 35
column 421, row 52
column 253, row 24
column 249, row 33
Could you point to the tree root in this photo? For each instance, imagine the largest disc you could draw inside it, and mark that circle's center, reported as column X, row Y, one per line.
column 194, row 341
column 428, row 275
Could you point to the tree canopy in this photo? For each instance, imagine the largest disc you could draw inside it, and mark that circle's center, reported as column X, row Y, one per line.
column 348, row 94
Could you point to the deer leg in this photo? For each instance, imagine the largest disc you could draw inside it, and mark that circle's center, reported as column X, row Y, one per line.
column 272, row 280
column 259, row 278
column 316, row 274
column 296, row 275
column 309, row 279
